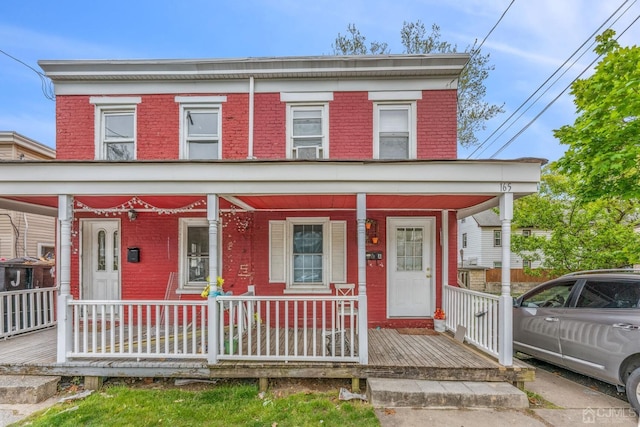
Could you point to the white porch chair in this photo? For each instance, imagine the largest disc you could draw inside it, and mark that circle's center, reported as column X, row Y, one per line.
column 346, row 308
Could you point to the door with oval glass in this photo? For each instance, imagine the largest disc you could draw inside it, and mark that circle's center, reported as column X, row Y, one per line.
column 411, row 261
column 100, row 259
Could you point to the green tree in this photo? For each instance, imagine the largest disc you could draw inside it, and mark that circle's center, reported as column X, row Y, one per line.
column 582, row 235
column 604, row 142
column 473, row 111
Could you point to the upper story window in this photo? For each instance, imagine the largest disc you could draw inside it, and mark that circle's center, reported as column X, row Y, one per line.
column 394, row 124
column 115, row 127
column 464, row 240
column 307, row 124
column 307, row 131
column 497, row 238
column 200, row 127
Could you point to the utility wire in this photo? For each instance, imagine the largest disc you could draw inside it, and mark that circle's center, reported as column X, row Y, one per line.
column 557, row 97
column 587, row 40
column 496, row 24
column 47, row 89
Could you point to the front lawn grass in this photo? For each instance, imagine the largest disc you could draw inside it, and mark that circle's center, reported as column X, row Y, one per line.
column 222, row 405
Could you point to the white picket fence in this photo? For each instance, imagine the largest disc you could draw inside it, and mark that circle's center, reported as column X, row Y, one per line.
column 26, row 311
column 477, row 312
column 247, row 327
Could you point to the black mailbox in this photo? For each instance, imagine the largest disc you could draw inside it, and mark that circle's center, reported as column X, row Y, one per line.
column 133, row 254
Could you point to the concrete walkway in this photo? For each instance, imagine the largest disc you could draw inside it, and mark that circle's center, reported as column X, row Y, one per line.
column 577, row 406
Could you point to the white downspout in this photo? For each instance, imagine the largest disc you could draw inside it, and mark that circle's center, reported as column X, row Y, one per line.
column 505, row 331
column 25, row 234
column 251, row 93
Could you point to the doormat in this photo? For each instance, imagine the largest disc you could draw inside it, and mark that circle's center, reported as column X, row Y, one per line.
column 417, row 331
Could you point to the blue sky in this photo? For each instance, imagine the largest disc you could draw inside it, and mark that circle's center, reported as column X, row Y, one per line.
column 532, row 41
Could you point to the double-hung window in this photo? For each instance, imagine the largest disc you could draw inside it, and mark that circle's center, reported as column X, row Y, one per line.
column 307, row 124
column 307, row 131
column 307, row 254
column 115, row 127
column 497, row 238
column 395, row 124
column 194, row 253
column 200, row 127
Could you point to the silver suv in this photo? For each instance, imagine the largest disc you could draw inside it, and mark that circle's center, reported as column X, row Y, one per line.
column 588, row 322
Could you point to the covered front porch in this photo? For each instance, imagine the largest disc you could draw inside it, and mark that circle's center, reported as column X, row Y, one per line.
column 435, row 192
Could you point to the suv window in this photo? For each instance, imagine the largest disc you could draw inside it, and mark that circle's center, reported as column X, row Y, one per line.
column 609, row 294
column 554, row 295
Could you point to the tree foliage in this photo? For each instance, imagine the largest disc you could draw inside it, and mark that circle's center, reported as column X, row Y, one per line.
column 583, row 235
column 473, row 111
column 604, row 141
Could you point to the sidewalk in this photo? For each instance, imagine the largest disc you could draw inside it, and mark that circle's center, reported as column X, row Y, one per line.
column 578, row 405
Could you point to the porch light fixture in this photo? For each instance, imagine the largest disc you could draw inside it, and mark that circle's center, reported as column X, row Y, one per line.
column 132, row 214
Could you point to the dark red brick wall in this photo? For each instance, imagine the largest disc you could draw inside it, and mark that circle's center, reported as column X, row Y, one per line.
column 350, row 126
column 437, row 132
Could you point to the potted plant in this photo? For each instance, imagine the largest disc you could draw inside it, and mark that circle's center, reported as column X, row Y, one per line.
column 439, row 320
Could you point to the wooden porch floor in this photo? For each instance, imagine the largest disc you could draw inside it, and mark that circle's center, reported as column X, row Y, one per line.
column 392, row 354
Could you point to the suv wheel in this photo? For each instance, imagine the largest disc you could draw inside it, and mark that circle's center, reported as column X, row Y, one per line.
column 633, row 389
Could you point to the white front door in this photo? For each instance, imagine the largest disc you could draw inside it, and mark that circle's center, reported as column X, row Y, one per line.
column 100, row 259
column 411, row 261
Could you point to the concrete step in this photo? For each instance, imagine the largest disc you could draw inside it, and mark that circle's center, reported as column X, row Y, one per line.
column 389, row 393
column 28, row 389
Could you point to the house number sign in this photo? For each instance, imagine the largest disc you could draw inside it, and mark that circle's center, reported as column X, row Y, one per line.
column 505, row 187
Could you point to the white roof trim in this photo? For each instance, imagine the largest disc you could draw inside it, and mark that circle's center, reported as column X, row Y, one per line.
column 238, row 178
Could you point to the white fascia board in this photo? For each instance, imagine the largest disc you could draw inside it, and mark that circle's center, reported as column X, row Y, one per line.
column 242, row 86
column 276, row 177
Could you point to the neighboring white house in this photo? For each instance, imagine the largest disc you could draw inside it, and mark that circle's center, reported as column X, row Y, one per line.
column 480, row 241
column 24, row 234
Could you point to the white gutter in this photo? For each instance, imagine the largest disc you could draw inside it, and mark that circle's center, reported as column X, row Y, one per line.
column 251, row 93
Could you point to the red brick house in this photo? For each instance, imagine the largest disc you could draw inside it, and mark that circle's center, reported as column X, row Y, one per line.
column 290, row 175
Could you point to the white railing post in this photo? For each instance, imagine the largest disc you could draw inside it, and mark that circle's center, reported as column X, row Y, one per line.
column 505, row 334
column 212, row 331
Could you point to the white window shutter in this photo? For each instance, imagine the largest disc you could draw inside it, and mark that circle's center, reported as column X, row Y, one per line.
column 277, row 251
column 338, row 251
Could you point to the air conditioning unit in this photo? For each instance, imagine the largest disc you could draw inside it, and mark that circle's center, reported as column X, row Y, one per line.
column 307, row 152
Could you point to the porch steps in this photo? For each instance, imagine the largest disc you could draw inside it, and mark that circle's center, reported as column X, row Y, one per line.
column 389, row 393
column 27, row 389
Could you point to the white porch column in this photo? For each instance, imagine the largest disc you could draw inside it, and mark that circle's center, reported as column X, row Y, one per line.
column 212, row 303
column 505, row 331
column 213, row 218
column 444, row 246
column 63, row 313
column 363, row 317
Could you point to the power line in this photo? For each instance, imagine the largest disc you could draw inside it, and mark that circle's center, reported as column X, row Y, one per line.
column 47, row 89
column 506, row 144
column 496, row 24
column 587, row 40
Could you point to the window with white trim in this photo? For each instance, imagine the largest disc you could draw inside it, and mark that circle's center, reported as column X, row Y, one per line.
column 115, row 124
column 307, row 131
column 201, row 127
column 497, row 238
column 526, row 233
column 307, row 254
column 201, row 133
column 194, row 253
column 394, row 131
column 464, row 240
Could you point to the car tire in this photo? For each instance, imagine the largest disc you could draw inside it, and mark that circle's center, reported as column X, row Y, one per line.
column 633, row 390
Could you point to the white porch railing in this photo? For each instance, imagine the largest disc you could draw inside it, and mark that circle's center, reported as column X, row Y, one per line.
column 247, row 327
column 139, row 329
column 271, row 328
column 477, row 312
column 26, row 310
